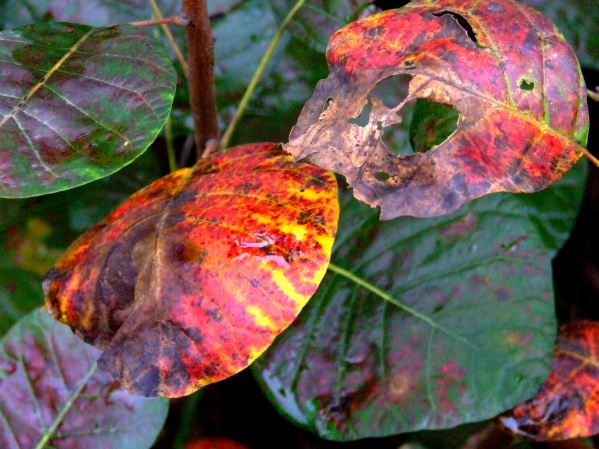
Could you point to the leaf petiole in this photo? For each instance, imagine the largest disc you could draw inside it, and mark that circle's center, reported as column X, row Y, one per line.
column 67, row 406
column 377, row 291
column 224, row 142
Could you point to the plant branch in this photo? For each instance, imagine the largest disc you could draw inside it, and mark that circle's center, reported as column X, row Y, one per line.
column 380, row 293
column 171, row 39
column 224, row 143
column 202, row 95
column 176, row 20
column 67, row 406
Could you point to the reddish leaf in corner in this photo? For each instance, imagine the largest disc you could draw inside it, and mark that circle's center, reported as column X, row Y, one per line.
column 189, row 280
column 504, row 67
column 567, row 405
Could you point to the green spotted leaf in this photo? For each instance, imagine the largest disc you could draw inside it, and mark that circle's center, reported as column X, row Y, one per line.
column 472, row 329
column 77, row 103
column 46, row 371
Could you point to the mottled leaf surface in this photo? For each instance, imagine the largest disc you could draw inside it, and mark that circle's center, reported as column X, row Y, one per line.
column 77, row 103
column 504, row 67
column 567, row 405
column 579, row 21
column 353, row 365
column 42, row 364
column 188, row 281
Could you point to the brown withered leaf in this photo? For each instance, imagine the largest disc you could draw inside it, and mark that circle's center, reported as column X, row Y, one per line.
column 504, row 67
column 190, row 279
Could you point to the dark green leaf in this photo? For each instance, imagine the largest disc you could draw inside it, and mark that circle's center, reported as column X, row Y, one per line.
column 20, row 293
column 578, row 20
column 77, row 103
column 431, row 124
column 42, row 365
column 354, row 366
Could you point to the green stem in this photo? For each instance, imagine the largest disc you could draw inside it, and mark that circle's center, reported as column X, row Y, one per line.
column 377, row 291
column 224, row 142
column 67, row 406
column 186, row 420
column 170, row 150
column 593, row 95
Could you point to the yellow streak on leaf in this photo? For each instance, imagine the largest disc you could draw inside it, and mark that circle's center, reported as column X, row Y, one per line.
column 261, row 318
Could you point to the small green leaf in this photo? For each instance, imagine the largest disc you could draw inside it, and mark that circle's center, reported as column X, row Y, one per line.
column 355, row 365
column 43, row 373
column 77, row 103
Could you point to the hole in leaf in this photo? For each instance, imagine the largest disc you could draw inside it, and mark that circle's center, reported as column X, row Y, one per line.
column 432, row 123
column 463, row 23
column 327, row 105
column 364, row 117
column 526, row 85
column 382, row 176
column 392, row 91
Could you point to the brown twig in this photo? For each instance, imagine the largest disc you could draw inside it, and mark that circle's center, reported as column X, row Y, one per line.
column 176, row 20
column 593, row 95
column 202, row 96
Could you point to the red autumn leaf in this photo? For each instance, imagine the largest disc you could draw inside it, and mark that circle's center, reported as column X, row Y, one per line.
column 190, row 279
column 567, row 405
column 504, row 67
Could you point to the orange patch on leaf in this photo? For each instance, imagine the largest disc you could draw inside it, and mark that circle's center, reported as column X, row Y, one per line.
column 567, row 405
column 192, row 278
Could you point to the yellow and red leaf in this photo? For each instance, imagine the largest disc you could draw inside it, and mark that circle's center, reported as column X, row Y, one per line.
column 567, row 405
column 192, row 278
column 504, row 67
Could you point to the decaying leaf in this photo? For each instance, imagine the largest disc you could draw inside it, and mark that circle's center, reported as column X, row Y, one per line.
column 504, row 67
column 567, row 405
column 189, row 280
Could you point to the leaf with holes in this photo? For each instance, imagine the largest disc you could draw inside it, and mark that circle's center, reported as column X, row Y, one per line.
column 504, row 67
column 566, row 406
column 354, row 365
column 45, row 371
column 77, row 103
column 189, row 280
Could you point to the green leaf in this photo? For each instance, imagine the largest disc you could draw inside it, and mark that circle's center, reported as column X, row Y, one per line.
column 20, row 293
column 431, row 124
column 578, row 20
column 355, row 366
column 77, row 103
column 46, row 372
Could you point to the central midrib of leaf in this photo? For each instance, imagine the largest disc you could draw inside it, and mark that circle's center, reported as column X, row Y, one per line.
column 45, row 78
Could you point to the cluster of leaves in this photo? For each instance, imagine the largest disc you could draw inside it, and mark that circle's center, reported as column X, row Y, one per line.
column 406, row 330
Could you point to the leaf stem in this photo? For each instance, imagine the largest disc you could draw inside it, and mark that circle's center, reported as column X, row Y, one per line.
column 176, row 20
column 170, row 150
column 593, row 95
column 171, row 39
column 67, row 406
column 224, row 142
column 377, row 291
column 590, row 157
column 202, row 94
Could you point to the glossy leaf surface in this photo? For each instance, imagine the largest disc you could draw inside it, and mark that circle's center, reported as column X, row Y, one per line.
column 77, row 103
column 355, row 366
column 188, row 281
column 567, row 405
column 504, row 67
column 42, row 365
